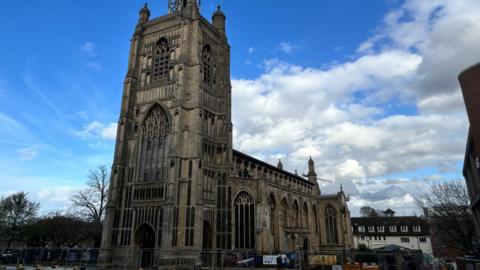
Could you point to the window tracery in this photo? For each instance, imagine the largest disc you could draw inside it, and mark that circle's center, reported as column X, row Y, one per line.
column 154, row 136
column 271, row 203
column 315, row 216
column 244, row 221
column 285, row 212
column 331, row 225
column 296, row 214
column 161, row 66
column 305, row 215
column 207, row 65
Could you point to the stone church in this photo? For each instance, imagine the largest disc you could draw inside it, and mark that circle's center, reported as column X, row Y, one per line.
column 178, row 188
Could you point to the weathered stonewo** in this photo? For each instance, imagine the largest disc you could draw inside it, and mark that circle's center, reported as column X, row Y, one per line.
column 177, row 186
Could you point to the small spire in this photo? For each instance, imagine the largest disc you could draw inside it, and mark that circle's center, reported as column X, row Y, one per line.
column 311, row 167
column 218, row 20
column 144, row 14
column 218, row 12
column 341, row 188
column 280, row 164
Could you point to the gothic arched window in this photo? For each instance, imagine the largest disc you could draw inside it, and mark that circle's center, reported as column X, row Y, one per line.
column 305, row 215
column 161, row 60
column 207, row 65
column 285, row 212
column 271, row 208
column 274, row 221
column 153, row 145
column 244, row 221
column 315, row 216
column 331, row 225
column 296, row 214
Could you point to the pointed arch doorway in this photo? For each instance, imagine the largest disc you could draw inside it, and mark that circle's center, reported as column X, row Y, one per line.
column 145, row 240
column 207, row 236
column 207, row 246
column 305, row 252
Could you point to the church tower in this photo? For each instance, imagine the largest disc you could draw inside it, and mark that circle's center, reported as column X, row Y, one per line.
column 312, row 175
column 174, row 141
